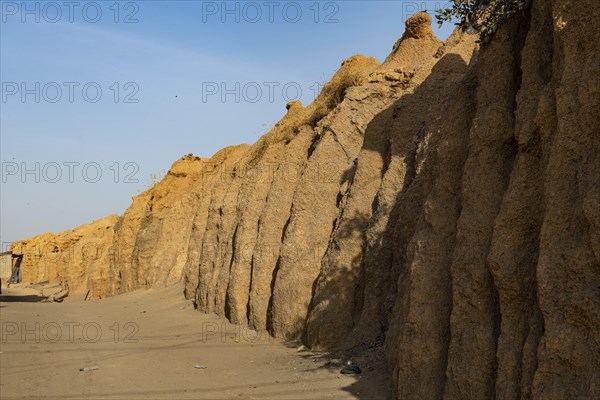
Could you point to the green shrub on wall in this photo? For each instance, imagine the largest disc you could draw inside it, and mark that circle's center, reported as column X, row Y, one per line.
column 480, row 16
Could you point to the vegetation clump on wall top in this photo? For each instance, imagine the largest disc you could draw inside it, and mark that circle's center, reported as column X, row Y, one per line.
column 480, row 16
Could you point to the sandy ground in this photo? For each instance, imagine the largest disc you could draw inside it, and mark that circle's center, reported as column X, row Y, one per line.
column 146, row 345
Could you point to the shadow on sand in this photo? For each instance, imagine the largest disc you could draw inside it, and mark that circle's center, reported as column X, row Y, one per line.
column 30, row 298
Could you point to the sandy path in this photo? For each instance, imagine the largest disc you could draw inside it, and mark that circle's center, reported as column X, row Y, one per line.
column 146, row 347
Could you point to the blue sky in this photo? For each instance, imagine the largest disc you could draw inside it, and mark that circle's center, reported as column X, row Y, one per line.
column 97, row 96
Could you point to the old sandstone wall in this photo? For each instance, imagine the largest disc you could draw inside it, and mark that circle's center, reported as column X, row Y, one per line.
column 443, row 205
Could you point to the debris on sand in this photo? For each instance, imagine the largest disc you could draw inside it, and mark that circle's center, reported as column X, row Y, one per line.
column 59, row 297
column 85, row 369
column 351, row 370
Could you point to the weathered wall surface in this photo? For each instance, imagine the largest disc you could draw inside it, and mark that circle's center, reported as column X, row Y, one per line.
column 79, row 259
column 445, row 203
column 150, row 246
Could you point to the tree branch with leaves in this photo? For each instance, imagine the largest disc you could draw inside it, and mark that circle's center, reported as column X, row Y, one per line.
column 480, row 16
